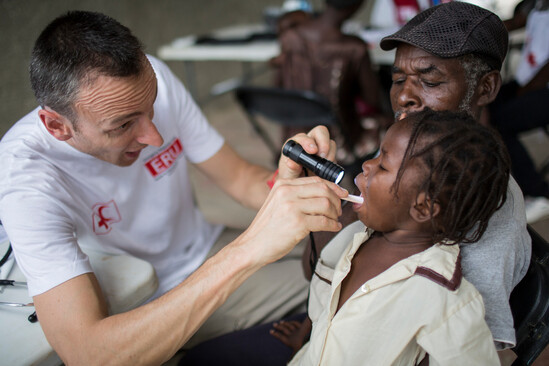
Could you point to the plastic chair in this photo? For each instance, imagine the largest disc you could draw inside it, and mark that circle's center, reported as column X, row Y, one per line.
column 292, row 108
column 530, row 304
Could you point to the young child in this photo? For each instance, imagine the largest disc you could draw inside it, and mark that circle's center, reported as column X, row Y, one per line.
column 388, row 290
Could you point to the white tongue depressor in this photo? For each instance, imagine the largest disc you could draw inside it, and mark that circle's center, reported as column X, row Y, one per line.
column 353, row 198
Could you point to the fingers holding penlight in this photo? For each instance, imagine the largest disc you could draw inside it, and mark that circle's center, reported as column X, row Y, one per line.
column 323, row 168
column 314, row 196
column 319, row 166
column 316, row 142
column 295, row 199
column 325, row 147
column 293, row 209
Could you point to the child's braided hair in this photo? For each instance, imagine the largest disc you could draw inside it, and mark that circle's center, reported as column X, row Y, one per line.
column 467, row 168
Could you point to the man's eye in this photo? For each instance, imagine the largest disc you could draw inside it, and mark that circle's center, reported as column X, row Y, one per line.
column 122, row 127
column 398, row 80
column 431, row 84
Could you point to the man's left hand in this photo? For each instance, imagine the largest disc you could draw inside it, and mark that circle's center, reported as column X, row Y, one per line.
column 317, row 142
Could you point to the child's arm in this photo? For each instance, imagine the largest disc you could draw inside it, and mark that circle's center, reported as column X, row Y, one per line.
column 293, row 333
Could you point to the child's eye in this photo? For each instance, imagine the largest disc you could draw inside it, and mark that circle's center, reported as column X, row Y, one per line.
column 381, row 167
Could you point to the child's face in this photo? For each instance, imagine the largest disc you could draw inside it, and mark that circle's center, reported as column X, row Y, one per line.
column 381, row 210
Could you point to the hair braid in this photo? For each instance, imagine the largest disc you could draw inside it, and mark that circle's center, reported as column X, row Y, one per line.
column 467, row 171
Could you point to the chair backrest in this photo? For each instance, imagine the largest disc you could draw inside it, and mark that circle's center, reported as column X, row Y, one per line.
column 293, row 108
column 297, row 108
column 530, row 304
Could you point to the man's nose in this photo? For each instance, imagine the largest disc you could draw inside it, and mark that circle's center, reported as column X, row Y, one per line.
column 148, row 134
column 407, row 97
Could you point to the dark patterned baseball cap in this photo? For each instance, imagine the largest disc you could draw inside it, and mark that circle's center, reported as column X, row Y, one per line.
column 455, row 29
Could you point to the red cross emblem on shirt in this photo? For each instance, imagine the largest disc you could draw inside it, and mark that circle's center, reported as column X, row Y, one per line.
column 104, row 215
column 532, row 59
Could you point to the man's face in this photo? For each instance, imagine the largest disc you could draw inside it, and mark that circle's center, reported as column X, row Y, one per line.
column 115, row 118
column 422, row 80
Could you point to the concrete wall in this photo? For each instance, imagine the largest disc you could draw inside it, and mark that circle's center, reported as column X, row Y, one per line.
column 153, row 22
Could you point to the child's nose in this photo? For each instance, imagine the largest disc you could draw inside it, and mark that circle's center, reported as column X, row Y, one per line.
column 366, row 166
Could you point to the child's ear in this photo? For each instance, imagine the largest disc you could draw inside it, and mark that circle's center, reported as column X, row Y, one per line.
column 57, row 125
column 420, row 211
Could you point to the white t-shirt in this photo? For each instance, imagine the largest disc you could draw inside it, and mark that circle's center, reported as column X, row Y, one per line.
column 535, row 53
column 55, row 200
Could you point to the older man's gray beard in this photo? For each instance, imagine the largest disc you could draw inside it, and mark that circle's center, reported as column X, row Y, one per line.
column 465, row 105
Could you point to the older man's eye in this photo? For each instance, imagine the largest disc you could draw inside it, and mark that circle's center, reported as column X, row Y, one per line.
column 431, row 84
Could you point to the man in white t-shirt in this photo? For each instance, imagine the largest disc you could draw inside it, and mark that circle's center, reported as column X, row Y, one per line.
column 102, row 165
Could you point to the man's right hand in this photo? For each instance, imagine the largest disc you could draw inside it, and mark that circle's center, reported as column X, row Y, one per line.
column 74, row 314
column 294, row 208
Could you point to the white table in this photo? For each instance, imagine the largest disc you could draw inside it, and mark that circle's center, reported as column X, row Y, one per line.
column 126, row 282
column 185, row 49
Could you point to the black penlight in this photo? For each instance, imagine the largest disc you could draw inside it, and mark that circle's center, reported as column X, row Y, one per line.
column 322, row 167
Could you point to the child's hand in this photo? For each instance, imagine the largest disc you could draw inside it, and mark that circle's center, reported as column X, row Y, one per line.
column 293, row 333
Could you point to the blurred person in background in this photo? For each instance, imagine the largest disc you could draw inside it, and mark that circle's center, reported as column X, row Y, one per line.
column 521, row 104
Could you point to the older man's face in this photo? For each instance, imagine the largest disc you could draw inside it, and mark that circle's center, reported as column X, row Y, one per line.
column 422, row 80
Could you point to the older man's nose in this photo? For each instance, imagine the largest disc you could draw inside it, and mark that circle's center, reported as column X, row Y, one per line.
column 405, row 96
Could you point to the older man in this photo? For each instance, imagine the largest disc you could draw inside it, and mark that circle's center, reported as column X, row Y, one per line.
column 449, row 57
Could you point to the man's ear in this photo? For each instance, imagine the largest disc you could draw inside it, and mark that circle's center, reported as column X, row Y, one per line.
column 488, row 88
column 57, row 125
column 420, row 210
